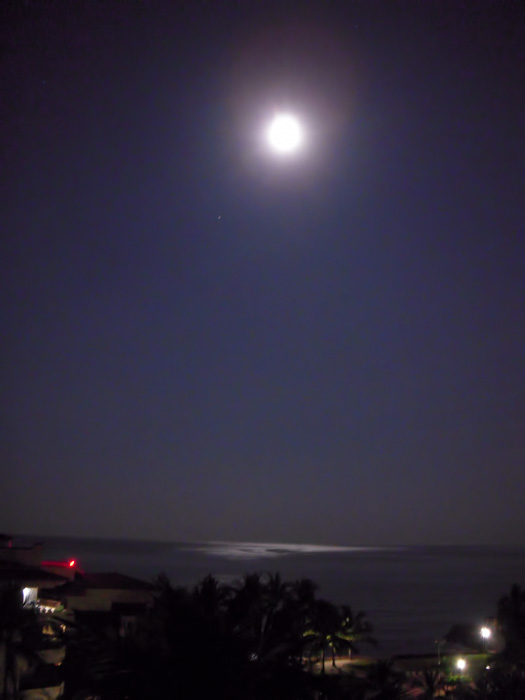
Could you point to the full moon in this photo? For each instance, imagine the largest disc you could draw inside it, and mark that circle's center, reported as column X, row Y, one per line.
column 285, row 134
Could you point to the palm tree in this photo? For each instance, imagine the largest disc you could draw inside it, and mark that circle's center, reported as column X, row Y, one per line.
column 502, row 681
column 355, row 629
column 337, row 629
column 386, row 682
column 245, row 611
column 257, row 610
column 511, row 620
column 211, row 598
column 12, row 618
column 302, row 602
column 304, row 591
column 186, row 647
column 92, row 664
column 276, row 601
column 323, row 631
column 431, row 682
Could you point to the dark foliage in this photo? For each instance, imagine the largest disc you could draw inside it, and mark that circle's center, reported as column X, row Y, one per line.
column 245, row 642
column 511, row 621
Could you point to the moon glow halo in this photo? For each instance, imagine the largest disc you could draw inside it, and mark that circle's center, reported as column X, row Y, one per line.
column 285, row 134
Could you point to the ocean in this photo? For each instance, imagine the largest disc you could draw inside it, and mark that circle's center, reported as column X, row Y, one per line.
column 412, row 595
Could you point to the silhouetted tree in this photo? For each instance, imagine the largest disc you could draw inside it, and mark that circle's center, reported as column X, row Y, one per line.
column 386, row 683
column 323, row 630
column 511, row 620
column 355, row 629
column 431, row 683
column 211, row 598
column 336, row 629
column 502, row 681
column 242, row 642
column 13, row 617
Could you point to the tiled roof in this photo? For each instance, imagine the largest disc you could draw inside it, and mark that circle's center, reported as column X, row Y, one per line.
column 106, row 581
column 32, row 576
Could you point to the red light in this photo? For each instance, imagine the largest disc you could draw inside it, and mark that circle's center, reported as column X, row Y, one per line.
column 72, row 562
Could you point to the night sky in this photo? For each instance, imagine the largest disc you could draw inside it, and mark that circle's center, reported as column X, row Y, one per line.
column 204, row 340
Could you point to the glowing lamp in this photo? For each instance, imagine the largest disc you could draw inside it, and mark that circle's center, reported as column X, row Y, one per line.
column 72, row 562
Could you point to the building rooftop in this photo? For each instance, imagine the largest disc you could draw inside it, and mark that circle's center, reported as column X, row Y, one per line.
column 31, row 576
column 105, row 581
